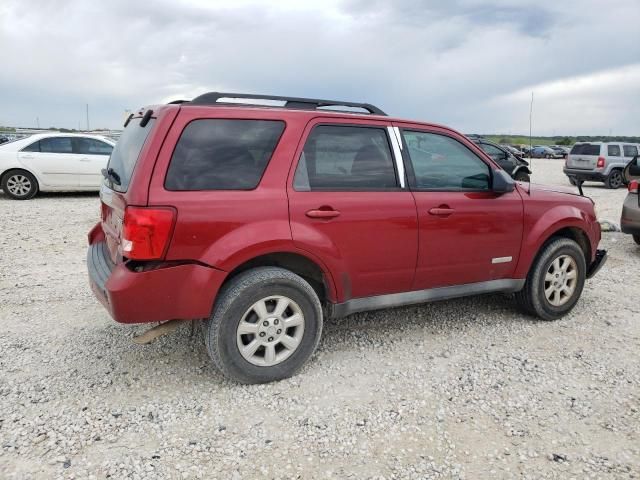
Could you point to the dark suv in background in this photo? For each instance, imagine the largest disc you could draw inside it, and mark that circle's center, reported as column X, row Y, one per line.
column 516, row 167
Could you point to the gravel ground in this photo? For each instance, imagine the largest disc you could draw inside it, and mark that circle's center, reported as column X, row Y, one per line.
column 457, row 389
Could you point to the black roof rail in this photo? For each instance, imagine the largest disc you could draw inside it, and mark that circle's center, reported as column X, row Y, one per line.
column 297, row 103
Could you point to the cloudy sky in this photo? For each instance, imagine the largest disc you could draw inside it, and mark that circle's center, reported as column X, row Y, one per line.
column 465, row 63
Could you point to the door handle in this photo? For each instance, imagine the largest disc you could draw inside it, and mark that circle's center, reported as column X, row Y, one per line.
column 441, row 211
column 85, row 159
column 322, row 213
column 28, row 157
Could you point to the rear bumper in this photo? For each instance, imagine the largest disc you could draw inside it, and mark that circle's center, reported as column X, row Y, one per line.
column 584, row 175
column 596, row 265
column 184, row 291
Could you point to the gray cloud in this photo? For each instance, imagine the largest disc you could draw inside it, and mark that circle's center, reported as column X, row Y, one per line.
column 466, row 63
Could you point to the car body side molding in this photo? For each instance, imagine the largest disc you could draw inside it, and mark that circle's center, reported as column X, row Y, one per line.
column 356, row 305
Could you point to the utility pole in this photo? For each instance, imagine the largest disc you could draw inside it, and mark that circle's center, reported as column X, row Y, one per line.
column 87, row 117
column 530, row 122
column 38, row 122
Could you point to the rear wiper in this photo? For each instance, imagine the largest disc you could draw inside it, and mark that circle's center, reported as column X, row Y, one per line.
column 111, row 175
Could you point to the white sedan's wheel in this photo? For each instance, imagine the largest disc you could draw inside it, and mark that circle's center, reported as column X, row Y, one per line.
column 19, row 185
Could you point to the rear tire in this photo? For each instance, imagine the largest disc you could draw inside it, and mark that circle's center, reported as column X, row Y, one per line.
column 636, row 238
column 247, row 337
column 555, row 281
column 572, row 181
column 19, row 185
column 614, row 179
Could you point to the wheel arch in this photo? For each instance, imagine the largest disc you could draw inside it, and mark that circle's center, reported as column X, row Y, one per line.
column 310, row 269
column 571, row 225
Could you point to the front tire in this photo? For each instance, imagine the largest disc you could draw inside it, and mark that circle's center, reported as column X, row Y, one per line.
column 636, row 238
column 555, row 281
column 19, row 185
column 266, row 324
column 522, row 177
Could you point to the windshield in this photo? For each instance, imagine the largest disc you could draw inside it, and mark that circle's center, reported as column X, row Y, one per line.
column 125, row 154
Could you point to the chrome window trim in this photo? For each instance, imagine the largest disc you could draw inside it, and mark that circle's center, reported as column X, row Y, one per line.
column 397, row 154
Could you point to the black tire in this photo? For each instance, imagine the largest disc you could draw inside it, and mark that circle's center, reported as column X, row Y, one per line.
column 238, row 297
column 547, row 156
column 636, row 238
column 572, row 181
column 532, row 298
column 614, row 180
column 9, row 180
column 522, row 177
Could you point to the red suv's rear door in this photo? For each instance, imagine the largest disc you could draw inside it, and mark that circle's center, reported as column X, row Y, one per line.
column 468, row 233
column 348, row 207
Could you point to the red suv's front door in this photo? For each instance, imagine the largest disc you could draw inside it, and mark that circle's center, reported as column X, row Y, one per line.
column 468, row 233
column 348, row 206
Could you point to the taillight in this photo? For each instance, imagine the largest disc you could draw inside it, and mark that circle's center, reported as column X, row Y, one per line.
column 633, row 186
column 146, row 232
column 600, row 163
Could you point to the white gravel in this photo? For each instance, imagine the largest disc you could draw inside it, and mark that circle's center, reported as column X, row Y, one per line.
column 458, row 389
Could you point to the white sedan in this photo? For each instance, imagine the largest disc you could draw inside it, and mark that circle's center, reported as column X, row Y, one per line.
column 49, row 162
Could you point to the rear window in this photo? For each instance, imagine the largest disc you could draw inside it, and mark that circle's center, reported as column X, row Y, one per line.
column 127, row 150
column 218, row 154
column 585, row 149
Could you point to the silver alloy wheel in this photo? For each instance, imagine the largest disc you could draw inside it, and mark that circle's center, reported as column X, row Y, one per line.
column 270, row 331
column 561, row 280
column 18, row 185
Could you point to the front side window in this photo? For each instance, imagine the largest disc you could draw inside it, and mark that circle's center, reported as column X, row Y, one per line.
column 219, row 154
column 56, row 145
column 91, row 146
column 441, row 163
column 346, row 158
column 630, row 150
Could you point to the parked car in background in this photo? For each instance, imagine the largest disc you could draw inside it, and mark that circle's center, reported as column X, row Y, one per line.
column 49, row 162
column 600, row 162
column 561, row 152
column 541, row 151
column 630, row 218
column 514, row 166
column 214, row 210
column 3, row 139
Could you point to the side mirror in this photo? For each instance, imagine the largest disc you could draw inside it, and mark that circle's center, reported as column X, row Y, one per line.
column 502, row 182
column 632, row 170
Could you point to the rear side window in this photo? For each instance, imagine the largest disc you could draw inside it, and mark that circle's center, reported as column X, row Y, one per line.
column 613, row 150
column 34, row 147
column 630, row 150
column 346, row 158
column 126, row 152
column 217, row 154
column 585, row 149
column 56, row 145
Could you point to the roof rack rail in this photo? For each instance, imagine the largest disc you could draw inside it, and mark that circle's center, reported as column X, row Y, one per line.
column 212, row 98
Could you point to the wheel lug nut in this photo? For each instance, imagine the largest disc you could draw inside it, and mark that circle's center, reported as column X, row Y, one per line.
column 279, row 332
column 265, row 323
column 271, row 339
column 276, row 321
column 262, row 334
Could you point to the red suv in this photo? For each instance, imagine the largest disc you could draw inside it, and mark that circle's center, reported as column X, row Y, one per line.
column 265, row 219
